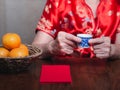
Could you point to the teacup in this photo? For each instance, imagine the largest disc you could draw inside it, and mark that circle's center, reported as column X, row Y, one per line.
column 85, row 38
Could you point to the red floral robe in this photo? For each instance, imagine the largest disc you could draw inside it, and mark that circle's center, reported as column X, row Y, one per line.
column 75, row 16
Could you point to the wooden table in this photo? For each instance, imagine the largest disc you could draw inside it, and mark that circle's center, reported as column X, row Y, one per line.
column 86, row 75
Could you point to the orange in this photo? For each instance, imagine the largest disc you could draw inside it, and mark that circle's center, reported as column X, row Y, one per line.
column 18, row 52
column 23, row 46
column 11, row 40
column 4, row 52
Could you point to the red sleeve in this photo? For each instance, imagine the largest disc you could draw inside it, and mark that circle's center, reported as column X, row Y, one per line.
column 49, row 19
column 118, row 14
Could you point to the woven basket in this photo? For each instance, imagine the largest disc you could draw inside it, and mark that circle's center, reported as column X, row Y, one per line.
column 13, row 65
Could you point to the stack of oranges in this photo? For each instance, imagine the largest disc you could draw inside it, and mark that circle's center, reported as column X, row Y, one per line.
column 12, row 46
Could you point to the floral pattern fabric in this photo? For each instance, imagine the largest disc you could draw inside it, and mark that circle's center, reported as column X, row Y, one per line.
column 75, row 16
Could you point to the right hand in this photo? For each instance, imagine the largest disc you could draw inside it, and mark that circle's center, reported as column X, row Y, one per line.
column 64, row 43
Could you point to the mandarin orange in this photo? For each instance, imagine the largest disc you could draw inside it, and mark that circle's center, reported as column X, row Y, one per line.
column 11, row 40
column 24, row 46
column 18, row 52
column 3, row 52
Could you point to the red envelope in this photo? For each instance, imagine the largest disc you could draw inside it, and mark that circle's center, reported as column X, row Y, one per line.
column 55, row 74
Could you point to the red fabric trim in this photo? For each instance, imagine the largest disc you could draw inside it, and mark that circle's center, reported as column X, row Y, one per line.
column 46, row 32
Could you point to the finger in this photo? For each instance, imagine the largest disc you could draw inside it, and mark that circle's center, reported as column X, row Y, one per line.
column 96, row 41
column 65, row 46
column 67, row 51
column 104, row 46
column 97, row 46
column 102, row 56
column 104, row 51
column 70, row 43
column 100, row 46
column 72, row 38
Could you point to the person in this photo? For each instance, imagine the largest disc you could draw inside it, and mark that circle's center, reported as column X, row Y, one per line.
column 62, row 20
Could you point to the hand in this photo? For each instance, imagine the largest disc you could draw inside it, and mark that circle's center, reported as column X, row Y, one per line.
column 64, row 43
column 101, row 46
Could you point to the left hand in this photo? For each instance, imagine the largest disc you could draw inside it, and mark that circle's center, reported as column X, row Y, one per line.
column 101, row 47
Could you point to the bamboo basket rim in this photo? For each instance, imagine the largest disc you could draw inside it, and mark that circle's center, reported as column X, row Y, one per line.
column 35, row 52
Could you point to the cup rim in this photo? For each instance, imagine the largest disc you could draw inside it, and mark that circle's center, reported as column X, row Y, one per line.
column 84, row 35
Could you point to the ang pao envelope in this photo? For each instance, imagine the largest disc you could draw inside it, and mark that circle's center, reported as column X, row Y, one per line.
column 55, row 74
